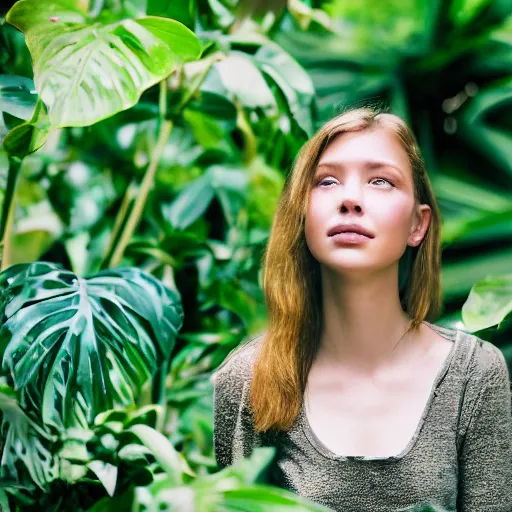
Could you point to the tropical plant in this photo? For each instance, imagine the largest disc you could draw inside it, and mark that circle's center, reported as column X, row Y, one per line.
column 122, row 96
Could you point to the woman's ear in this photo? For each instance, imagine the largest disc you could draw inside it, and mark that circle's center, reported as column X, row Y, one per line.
column 422, row 216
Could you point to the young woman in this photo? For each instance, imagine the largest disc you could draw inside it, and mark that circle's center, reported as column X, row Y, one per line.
column 370, row 406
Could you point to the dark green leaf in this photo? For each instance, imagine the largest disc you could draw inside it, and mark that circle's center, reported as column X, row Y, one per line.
column 183, row 11
column 76, row 347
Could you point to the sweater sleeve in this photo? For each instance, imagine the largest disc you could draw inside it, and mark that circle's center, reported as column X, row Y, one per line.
column 485, row 461
column 233, row 429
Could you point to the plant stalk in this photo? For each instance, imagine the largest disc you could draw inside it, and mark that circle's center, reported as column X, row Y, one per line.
column 7, row 212
column 147, row 182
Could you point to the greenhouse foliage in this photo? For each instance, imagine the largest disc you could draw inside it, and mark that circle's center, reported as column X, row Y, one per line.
column 144, row 147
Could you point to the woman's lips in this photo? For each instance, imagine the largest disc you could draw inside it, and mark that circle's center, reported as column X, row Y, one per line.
column 350, row 238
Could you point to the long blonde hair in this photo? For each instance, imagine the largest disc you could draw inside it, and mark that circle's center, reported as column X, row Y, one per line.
column 291, row 275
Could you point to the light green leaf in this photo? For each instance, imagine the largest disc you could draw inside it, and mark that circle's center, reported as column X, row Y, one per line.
column 242, row 79
column 489, row 302
column 85, row 71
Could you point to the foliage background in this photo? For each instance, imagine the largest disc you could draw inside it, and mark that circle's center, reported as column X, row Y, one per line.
column 182, row 186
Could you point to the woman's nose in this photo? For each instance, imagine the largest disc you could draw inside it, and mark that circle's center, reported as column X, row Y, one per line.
column 351, row 196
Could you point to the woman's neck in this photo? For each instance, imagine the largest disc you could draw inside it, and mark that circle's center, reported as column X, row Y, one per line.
column 363, row 320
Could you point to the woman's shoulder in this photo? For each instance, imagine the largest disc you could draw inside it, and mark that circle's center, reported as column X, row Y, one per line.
column 487, row 360
column 238, row 364
column 487, row 393
column 487, row 377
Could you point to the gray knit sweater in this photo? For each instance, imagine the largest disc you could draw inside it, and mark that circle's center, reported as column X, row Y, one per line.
column 459, row 459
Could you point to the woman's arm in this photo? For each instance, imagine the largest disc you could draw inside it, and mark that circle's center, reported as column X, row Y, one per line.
column 233, row 427
column 485, row 462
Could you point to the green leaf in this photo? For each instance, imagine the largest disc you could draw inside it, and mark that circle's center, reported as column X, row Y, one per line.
column 264, row 498
column 190, row 203
column 76, row 347
column 293, row 81
column 459, row 277
column 26, row 442
column 28, row 137
column 214, row 105
column 171, row 461
column 106, row 473
column 476, row 126
column 228, row 185
column 242, row 80
column 183, row 11
column 85, row 71
column 17, row 98
column 123, row 502
column 207, row 130
column 488, row 303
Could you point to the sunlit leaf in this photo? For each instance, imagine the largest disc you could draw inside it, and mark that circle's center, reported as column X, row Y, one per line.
column 489, row 302
column 85, row 70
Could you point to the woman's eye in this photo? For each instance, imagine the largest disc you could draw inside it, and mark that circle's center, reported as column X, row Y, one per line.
column 328, row 182
column 383, row 179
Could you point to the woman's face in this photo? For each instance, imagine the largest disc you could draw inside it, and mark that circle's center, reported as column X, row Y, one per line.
column 364, row 178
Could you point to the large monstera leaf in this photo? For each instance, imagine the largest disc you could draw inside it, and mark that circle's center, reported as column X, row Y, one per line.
column 75, row 347
column 88, row 69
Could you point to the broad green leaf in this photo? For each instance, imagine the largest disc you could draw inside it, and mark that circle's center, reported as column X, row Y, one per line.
column 264, row 498
column 478, row 229
column 488, row 303
column 85, row 71
column 76, row 347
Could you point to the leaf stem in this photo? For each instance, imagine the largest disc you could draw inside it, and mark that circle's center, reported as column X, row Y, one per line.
column 7, row 213
column 147, row 182
column 250, row 146
column 119, row 222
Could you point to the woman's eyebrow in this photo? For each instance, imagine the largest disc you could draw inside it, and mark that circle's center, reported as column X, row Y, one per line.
column 370, row 164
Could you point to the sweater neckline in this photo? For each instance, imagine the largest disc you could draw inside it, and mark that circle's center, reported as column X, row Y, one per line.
column 453, row 335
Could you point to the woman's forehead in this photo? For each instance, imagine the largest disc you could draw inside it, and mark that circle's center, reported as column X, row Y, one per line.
column 373, row 148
